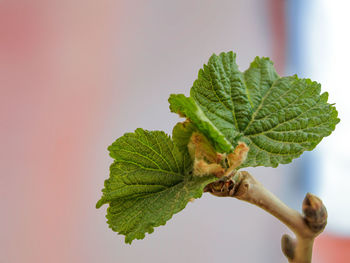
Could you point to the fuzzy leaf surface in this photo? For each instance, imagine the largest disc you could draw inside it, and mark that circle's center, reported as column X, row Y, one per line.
column 277, row 117
column 149, row 181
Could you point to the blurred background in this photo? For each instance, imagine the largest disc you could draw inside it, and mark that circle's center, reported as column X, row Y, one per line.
column 75, row 75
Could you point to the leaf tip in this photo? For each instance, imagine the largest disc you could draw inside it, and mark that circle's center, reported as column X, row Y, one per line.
column 100, row 203
column 128, row 240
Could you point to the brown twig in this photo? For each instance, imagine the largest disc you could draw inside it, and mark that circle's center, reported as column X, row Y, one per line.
column 305, row 227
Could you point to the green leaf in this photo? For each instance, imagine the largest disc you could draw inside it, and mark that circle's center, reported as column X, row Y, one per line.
column 182, row 133
column 149, row 181
column 278, row 117
column 188, row 107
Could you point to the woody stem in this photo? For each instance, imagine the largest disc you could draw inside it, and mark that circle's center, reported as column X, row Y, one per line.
column 305, row 227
